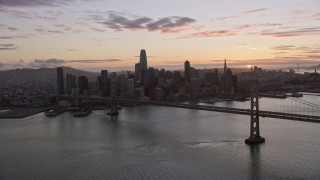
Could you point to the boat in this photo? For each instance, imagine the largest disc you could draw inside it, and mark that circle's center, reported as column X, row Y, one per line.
column 55, row 112
column 84, row 111
column 296, row 94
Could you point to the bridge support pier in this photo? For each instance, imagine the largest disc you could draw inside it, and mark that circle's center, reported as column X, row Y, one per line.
column 114, row 103
column 255, row 137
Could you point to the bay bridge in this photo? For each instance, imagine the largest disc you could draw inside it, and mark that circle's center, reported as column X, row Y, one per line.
column 254, row 112
column 267, row 114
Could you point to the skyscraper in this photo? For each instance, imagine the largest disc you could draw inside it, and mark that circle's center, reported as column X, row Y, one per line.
column 105, row 86
column 224, row 75
column 83, row 84
column 187, row 71
column 71, row 82
column 228, row 81
column 137, row 72
column 60, row 81
column 216, row 77
column 143, row 60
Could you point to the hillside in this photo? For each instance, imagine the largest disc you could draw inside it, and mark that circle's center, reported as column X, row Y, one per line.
column 42, row 75
column 314, row 67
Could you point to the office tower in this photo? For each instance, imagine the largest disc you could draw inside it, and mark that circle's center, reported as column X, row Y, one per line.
column 235, row 82
column 143, row 60
column 187, row 71
column 195, row 86
column 216, row 77
column 99, row 83
column 224, row 75
column 130, row 88
column 176, row 77
column 194, row 73
column 122, row 85
column 71, row 83
column 83, row 84
column 209, row 77
column 137, row 72
column 104, row 83
column 150, row 77
column 228, row 81
column 113, row 76
column 60, row 81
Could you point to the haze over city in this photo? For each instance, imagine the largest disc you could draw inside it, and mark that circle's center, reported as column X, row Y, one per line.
column 93, row 35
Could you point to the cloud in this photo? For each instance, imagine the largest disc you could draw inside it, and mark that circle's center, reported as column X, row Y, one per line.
column 37, row 63
column 214, row 33
column 251, row 26
column 14, row 37
column 311, row 49
column 224, row 18
column 58, row 29
column 272, row 62
column 256, row 10
column 34, row 3
column 93, row 61
column 289, row 33
column 309, row 13
column 229, row 32
column 12, row 28
column 4, row 47
column 52, row 63
column 56, row 32
column 172, row 24
column 72, row 50
column 98, row 29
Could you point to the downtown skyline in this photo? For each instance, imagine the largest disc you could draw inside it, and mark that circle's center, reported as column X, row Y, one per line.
column 93, row 35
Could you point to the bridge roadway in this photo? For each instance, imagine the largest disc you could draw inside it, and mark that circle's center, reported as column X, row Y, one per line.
column 269, row 114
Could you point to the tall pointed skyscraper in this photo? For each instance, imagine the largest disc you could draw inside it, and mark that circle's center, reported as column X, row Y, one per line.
column 187, row 71
column 225, row 66
column 143, row 60
column 225, row 75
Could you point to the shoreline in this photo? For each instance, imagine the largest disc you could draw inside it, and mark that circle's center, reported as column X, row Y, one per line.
column 16, row 113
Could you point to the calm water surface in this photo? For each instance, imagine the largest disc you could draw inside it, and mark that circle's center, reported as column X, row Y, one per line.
column 152, row 142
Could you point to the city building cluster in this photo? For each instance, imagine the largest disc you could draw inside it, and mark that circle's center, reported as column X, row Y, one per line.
column 146, row 83
column 188, row 84
column 151, row 83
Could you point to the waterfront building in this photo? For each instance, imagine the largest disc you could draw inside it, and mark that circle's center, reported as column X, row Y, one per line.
column 158, row 94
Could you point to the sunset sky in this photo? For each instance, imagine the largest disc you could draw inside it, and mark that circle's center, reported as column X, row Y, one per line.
column 108, row 34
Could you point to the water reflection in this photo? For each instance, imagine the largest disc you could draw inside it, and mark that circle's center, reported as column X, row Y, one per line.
column 255, row 163
column 114, row 121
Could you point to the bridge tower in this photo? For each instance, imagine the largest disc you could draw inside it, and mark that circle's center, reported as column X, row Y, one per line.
column 255, row 137
column 114, row 102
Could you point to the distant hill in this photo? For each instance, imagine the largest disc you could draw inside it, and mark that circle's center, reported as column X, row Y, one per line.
column 42, row 75
column 313, row 67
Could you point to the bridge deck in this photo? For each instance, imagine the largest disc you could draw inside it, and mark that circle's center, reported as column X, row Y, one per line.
column 269, row 114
